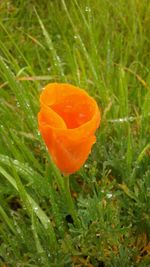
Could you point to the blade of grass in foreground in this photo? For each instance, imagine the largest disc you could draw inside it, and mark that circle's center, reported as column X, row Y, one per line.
column 56, row 59
column 19, row 92
column 7, row 220
column 35, row 207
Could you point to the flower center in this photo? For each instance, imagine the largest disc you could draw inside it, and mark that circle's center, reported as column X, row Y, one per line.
column 74, row 110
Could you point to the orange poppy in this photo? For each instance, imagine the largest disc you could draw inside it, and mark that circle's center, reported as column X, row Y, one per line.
column 67, row 120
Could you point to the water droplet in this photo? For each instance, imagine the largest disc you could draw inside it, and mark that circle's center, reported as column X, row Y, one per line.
column 68, row 106
column 35, row 209
column 87, row 9
column 120, row 120
column 49, row 255
column 81, row 115
column 18, row 104
column 109, row 195
column 86, row 165
column 58, row 36
column 38, row 133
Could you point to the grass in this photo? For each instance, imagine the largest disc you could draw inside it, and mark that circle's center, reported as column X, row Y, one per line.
column 103, row 47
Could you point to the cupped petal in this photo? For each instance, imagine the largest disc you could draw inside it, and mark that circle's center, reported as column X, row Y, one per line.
column 55, row 93
column 67, row 121
column 68, row 154
column 47, row 116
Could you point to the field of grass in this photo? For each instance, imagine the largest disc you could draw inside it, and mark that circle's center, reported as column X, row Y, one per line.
column 104, row 47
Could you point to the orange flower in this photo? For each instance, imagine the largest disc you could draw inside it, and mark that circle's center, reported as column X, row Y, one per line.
column 67, row 121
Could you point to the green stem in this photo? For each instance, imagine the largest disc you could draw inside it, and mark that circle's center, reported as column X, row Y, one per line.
column 63, row 183
column 57, row 176
column 70, row 202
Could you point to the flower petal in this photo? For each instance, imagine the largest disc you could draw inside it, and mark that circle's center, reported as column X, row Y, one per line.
column 68, row 120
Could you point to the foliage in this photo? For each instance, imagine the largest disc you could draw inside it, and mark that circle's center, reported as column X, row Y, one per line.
column 103, row 47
